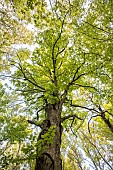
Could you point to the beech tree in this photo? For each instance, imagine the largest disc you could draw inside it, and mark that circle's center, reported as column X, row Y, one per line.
column 67, row 80
column 92, row 149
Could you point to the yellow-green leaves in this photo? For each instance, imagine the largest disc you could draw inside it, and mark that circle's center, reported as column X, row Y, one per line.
column 70, row 66
column 46, row 140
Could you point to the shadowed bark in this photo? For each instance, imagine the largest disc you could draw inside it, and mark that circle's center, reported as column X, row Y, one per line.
column 50, row 158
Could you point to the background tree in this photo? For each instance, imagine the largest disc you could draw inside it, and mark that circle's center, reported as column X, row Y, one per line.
column 94, row 149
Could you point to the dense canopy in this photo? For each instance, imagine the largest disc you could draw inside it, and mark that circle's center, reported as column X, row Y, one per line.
column 56, row 108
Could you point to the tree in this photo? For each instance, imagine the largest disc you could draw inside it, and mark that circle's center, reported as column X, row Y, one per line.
column 13, row 33
column 93, row 149
column 14, row 131
column 68, row 77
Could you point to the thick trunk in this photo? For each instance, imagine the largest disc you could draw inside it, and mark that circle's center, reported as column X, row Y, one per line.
column 50, row 158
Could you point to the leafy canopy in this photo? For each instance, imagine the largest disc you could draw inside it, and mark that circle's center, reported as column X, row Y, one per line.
column 72, row 63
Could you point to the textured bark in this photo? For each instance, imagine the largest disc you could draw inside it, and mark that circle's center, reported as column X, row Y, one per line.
column 107, row 122
column 50, row 158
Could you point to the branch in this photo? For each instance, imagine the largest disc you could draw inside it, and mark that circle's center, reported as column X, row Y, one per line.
column 107, row 122
column 97, row 150
column 83, row 107
column 70, row 116
column 60, row 66
column 103, row 116
column 60, row 52
column 25, row 78
column 6, row 147
column 90, row 120
column 109, row 113
column 51, row 7
column 94, row 26
column 101, row 113
column 92, row 159
column 53, row 49
column 59, row 34
column 33, row 123
column 79, row 76
column 95, row 38
column 30, row 91
column 38, row 112
column 58, row 37
column 72, row 82
column 80, row 85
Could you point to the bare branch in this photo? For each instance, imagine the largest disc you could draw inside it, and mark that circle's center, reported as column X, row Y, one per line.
column 94, row 26
column 33, row 123
column 38, row 112
column 79, row 76
column 80, row 85
column 84, row 107
column 60, row 65
column 26, row 78
column 59, row 52
column 70, row 116
column 90, row 120
column 109, row 113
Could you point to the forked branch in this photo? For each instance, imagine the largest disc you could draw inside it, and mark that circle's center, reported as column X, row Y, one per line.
column 73, row 116
column 34, row 123
column 30, row 81
column 74, row 79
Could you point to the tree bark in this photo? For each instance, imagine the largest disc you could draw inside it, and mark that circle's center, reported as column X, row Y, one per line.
column 107, row 121
column 50, row 158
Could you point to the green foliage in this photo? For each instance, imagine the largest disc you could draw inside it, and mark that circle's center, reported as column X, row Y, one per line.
column 46, row 140
column 13, row 32
column 72, row 63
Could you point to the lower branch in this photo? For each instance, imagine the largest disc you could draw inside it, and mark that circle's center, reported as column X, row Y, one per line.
column 107, row 122
column 34, row 123
column 70, row 116
column 84, row 107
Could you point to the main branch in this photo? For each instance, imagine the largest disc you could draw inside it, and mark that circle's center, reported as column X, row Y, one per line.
column 74, row 79
column 73, row 116
column 27, row 79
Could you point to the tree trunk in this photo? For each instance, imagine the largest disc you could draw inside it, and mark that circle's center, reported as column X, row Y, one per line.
column 107, row 122
column 50, row 158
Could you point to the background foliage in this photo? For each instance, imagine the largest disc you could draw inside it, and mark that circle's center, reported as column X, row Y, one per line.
column 73, row 43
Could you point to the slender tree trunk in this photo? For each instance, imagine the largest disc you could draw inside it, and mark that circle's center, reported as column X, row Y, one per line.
column 50, row 158
column 107, row 122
